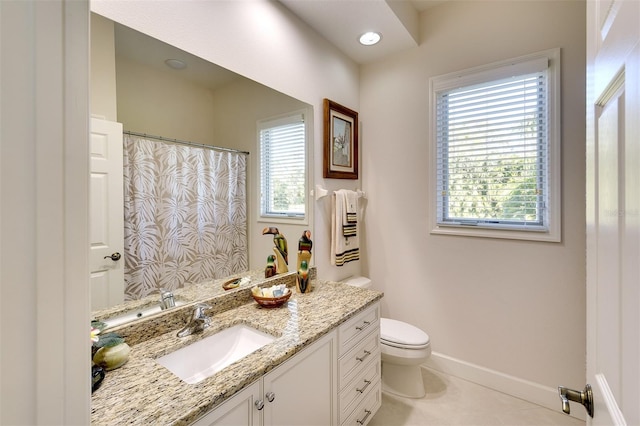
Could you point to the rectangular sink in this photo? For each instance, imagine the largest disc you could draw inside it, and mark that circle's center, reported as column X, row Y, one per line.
column 206, row 357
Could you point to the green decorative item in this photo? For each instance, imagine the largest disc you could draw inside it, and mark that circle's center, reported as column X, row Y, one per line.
column 270, row 270
column 304, row 249
column 305, row 243
column 112, row 357
column 280, row 250
column 302, row 282
column 112, row 351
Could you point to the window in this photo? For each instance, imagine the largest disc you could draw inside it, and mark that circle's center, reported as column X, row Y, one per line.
column 283, row 167
column 496, row 139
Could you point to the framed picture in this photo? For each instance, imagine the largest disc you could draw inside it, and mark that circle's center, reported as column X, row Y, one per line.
column 340, row 141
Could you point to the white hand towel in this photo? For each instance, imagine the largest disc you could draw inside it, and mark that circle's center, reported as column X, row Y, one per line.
column 344, row 249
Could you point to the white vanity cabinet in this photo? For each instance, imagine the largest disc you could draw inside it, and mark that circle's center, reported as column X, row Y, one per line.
column 359, row 368
column 300, row 391
column 237, row 410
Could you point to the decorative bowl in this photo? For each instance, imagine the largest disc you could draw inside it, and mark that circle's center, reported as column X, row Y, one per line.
column 272, row 302
column 234, row 283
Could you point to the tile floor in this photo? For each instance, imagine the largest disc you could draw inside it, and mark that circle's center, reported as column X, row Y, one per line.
column 451, row 401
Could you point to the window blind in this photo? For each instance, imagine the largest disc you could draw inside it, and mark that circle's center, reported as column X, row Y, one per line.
column 282, row 167
column 492, row 153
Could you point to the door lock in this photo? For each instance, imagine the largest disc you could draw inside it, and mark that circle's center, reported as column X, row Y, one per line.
column 584, row 397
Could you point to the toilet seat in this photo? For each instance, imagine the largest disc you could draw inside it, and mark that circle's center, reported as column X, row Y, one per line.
column 402, row 335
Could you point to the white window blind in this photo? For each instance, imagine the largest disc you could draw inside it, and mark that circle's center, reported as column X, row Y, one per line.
column 282, row 167
column 493, row 147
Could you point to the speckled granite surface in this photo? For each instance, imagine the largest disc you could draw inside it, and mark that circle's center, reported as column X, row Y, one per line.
column 207, row 293
column 142, row 392
column 194, row 292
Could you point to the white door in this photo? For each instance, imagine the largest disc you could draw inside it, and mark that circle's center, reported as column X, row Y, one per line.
column 613, row 210
column 106, row 219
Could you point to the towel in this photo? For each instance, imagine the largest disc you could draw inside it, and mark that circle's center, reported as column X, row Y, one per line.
column 344, row 237
column 350, row 218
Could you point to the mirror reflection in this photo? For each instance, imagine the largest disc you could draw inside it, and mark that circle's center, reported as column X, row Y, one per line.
column 162, row 91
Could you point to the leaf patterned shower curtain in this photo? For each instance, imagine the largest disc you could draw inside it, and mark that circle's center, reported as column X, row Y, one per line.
column 185, row 214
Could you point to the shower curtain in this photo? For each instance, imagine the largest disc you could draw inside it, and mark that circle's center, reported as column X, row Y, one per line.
column 185, row 214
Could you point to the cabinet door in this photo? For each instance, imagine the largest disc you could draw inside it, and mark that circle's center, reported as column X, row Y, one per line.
column 303, row 390
column 239, row 410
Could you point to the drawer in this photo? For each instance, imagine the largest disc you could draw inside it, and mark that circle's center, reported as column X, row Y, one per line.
column 356, row 327
column 367, row 409
column 357, row 389
column 351, row 364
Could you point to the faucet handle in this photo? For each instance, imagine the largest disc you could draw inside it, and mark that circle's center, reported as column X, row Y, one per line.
column 166, row 299
column 199, row 310
column 198, row 315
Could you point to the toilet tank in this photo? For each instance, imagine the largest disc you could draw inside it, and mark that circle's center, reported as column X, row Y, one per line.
column 357, row 281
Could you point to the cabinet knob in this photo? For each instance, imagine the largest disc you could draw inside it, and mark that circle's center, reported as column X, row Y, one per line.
column 259, row 404
column 270, row 396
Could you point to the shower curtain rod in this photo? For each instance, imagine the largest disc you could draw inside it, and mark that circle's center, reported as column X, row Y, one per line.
column 181, row 142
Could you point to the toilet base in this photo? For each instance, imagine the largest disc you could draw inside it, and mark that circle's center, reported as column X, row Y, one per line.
column 403, row 380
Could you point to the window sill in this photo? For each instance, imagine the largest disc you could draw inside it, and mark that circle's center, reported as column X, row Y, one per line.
column 489, row 232
column 284, row 219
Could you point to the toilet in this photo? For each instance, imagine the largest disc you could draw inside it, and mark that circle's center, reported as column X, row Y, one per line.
column 404, row 347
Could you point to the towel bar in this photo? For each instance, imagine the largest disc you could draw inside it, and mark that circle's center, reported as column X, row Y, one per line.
column 321, row 192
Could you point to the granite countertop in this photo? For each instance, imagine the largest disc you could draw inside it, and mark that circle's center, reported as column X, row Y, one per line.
column 144, row 392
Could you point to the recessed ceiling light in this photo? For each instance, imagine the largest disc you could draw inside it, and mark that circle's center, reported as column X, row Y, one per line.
column 370, row 38
column 176, row 64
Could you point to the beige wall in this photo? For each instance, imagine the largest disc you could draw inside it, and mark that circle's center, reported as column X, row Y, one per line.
column 515, row 307
column 238, row 107
column 103, row 69
column 159, row 102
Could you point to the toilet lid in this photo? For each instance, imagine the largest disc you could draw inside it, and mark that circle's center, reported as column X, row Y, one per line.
column 400, row 334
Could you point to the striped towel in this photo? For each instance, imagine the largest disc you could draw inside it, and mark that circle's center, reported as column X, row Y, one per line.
column 350, row 217
column 344, row 239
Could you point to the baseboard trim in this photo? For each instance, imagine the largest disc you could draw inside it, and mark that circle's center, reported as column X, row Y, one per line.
column 535, row 393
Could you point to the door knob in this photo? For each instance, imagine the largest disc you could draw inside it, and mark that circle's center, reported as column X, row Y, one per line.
column 115, row 256
column 270, row 396
column 584, row 397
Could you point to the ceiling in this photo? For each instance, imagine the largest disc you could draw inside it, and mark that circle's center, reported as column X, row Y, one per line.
column 143, row 49
column 342, row 22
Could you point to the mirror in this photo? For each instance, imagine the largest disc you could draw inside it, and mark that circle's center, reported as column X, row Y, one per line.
column 201, row 103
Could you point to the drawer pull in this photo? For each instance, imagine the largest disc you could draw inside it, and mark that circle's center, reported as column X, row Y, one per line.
column 366, row 354
column 363, row 326
column 270, row 396
column 259, row 404
column 366, row 385
column 365, row 417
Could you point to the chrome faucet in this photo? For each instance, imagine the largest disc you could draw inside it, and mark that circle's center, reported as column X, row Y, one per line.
column 166, row 299
column 198, row 322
